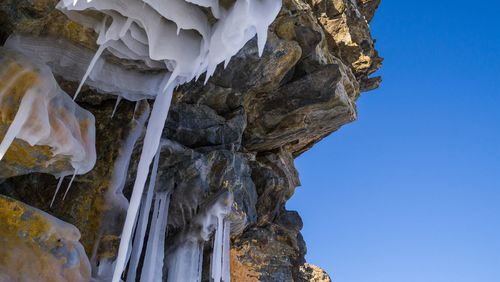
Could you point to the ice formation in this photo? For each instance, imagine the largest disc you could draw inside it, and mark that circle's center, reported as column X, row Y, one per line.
column 174, row 33
column 163, row 43
column 70, row 61
column 185, row 258
column 46, row 115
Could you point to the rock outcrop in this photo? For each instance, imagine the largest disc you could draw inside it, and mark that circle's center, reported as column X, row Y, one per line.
column 38, row 247
column 239, row 132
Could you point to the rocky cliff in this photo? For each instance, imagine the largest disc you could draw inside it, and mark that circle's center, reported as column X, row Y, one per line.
column 239, row 132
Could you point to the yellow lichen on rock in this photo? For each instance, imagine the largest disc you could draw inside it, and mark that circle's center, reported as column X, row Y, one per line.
column 241, row 272
column 38, row 247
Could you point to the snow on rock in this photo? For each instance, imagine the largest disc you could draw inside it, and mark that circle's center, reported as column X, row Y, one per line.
column 36, row 111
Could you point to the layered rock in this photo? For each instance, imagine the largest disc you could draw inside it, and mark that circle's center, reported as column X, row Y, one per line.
column 239, row 132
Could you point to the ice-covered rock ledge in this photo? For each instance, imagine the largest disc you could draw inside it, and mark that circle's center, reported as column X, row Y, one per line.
column 235, row 135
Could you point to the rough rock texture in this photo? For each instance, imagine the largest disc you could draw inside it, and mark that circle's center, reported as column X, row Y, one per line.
column 313, row 273
column 38, row 247
column 240, row 132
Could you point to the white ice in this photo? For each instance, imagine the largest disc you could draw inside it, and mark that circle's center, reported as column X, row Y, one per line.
column 177, row 36
column 47, row 116
column 185, row 261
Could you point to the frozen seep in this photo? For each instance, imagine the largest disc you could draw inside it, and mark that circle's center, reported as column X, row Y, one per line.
column 185, row 256
column 163, row 43
column 152, row 269
column 70, row 61
column 46, row 115
column 140, row 230
column 175, row 33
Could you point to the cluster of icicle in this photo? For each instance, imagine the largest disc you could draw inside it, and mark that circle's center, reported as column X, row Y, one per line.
column 46, row 115
column 186, row 257
column 176, row 41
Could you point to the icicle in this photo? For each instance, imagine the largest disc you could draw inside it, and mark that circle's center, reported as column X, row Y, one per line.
column 20, row 119
column 185, row 263
column 216, row 268
column 151, row 143
column 57, row 190
column 219, row 267
column 102, row 46
column 69, row 185
column 118, row 99
column 226, row 275
column 142, row 223
column 126, row 27
column 176, row 32
column 200, row 262
column 96, row 57
column 158, row 268
column 152, row 269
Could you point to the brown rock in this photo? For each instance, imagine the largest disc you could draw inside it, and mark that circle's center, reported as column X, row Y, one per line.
column 312, row 273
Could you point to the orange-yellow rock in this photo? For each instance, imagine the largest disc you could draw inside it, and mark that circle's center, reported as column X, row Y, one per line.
column 36, row 246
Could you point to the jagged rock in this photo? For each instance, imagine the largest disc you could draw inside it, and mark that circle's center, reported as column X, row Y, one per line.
column 301, row 112
column 239, row 132
column 348, row 34
column 273, row 252
column 200, row 127
column 275, row 179
column 196, row 178
column 368, row 8
column 38, row 247
column 312, row 273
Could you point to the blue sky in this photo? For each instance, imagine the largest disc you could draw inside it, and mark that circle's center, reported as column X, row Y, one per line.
column 411, row 191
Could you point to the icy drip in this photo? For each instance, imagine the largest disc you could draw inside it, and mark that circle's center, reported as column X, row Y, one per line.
column 142, row 224
column 185, row 261
column 103, row 269
column 69, row 185
column 151, row 144
column 122, row 162
column 177, row 32
column 89, row 69
column 176, row 35
column 46, row 116
column 219, row 269
column 226, row 248
column 185, row 264
column 61, row 179
column 153, row 260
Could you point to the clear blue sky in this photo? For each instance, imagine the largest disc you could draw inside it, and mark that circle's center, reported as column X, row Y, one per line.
column 411, row 191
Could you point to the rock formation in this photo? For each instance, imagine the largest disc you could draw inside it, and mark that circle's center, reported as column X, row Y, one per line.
column 237, row 134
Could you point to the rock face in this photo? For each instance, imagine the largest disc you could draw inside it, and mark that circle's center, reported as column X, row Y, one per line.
column 239, row 132
column 38, row 247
